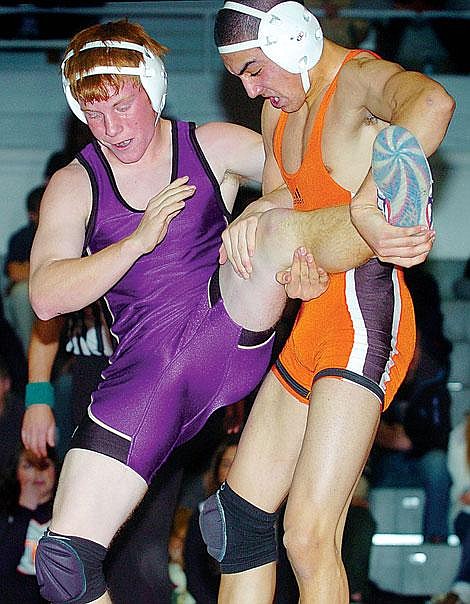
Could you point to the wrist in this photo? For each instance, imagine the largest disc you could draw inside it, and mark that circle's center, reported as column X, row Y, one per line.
column 39, row 393
column 131, row 248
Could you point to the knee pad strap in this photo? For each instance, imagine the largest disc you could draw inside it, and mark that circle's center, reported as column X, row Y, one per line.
column 238, row 534
column 69, row 569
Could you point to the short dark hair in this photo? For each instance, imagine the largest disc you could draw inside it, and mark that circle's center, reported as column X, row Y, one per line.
column 232, row 27
column 33, row 201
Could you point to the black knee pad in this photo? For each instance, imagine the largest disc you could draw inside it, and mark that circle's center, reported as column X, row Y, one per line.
column 238, row 535
column 70, row 569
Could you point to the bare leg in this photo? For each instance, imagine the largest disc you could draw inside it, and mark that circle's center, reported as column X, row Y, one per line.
column 262, row 473
column 95, row 496
column 341, row 426
column 257, row 303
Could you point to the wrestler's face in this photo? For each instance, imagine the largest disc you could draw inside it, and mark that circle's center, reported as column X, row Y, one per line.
column 262, row 77
column 124, row 123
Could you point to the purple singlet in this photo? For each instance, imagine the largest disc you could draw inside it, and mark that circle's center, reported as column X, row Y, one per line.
column 178, row 355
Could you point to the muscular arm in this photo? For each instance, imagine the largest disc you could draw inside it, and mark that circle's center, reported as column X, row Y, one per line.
column 396, row 96
column 330, row 235
column 61, row 281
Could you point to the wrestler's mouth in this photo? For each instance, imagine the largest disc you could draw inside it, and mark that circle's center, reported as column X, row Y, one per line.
column 275, row 101
column 123, row 144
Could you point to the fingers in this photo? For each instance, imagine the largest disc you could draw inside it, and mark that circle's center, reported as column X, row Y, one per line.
column 171, row 195
column 38, row 429
column 303, row 279
column 239, row 241
column 222, row 254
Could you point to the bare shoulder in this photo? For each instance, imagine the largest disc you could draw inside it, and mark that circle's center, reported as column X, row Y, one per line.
column 363, row 72
column 231, row 148
column 219, row 135
column 69, row 189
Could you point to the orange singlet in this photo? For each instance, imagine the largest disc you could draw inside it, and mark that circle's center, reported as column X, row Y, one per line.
column 362, row 328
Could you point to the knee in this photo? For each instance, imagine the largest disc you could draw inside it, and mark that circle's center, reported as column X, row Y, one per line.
column 274, row 225
column 70, row 569
column 239, row 535
column 307, row 545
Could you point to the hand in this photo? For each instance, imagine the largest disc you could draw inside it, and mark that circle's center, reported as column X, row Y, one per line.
column 160, row 212
column 239, row 240
column 403, row 246
column 304, row 279
column 38, row 429
column 465, row 498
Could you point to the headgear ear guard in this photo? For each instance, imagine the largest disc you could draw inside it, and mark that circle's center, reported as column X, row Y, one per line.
column 151, row 72
column 288, row 34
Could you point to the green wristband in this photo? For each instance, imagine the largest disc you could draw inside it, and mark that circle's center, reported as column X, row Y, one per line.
column 39, row 393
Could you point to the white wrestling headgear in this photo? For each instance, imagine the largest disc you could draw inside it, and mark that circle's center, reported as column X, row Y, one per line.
column 288, row 34
column 151, row 72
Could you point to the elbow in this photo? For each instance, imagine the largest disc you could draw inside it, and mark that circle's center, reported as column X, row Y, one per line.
column 440, row 106
column 41, row 303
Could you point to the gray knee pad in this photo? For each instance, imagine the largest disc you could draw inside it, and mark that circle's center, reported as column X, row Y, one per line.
column 70, row 569
column 238, row 535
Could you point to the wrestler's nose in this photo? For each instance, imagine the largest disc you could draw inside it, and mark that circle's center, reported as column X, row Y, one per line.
column 252, row 90
column 111, row 125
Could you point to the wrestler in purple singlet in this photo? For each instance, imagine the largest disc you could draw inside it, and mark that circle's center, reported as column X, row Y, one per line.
column 178, row 355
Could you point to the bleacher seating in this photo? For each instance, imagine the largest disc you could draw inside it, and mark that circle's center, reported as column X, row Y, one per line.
column 400, row 562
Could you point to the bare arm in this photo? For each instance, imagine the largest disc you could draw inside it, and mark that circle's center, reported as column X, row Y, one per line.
column 38, row 428
column 411, row 100
column 61, row 281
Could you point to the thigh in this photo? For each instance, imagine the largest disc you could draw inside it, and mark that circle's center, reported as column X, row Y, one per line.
column 257, row 303
column 95, row 496
column 269, row 447
column 341, row 426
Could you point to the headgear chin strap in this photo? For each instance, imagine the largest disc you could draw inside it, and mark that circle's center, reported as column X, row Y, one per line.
column 288, row 34
column 151, row 72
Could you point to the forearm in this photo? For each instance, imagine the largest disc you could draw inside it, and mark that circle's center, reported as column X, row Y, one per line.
column 61, row 286
column 365, row 200
column 43, row 348
column 334, row 242
column 278, row 198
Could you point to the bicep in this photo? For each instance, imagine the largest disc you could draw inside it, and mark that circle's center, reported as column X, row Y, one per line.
column 62, row 222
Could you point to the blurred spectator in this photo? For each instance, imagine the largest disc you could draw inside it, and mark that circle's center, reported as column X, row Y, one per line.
column 26, row 498
column 12, row 354
column 459, row 468
column 461, row 286
column 39, row 25
column 11, row 415
column 202, row 571
column 357, row 543
column 345, row 31
column 428, row 45
column 413, row 434
column 18, row 309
